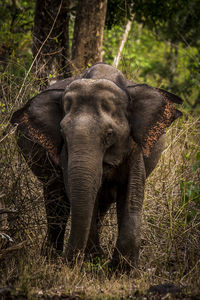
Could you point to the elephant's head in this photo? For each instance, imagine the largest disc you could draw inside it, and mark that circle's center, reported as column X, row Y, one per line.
column 90, row 122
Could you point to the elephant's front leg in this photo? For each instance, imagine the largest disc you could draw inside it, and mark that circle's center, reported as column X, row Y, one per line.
column 93, row 244
column 129, row 209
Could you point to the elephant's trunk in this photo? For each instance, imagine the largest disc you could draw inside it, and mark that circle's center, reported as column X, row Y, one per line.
column 84, row 180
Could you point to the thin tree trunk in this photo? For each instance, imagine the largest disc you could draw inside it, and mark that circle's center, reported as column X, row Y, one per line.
column 139, row 33
column 88, row 33
column 51, row 39
column 123, row 41
column 174, row 56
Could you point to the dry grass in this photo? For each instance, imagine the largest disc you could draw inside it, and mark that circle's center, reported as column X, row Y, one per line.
column 171, row 223
column 170, row 249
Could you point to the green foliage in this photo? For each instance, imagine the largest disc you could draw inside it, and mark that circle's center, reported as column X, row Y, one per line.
column 172, row 20
column 173, row 67
column 196, row 166
column 163, row 46
column 118, row 12
column 16, row 22
column 2, row 107
column 95, row 265
column 190, row 194
column 176, row 21
column 111, row 37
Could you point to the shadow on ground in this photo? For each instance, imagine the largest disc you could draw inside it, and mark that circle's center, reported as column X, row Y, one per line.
column 155, row 292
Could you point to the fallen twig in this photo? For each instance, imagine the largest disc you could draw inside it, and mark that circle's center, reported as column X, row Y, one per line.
column 7, row 211
column 4, row 252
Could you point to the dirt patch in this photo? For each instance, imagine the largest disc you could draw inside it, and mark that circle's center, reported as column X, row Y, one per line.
column 156, row 292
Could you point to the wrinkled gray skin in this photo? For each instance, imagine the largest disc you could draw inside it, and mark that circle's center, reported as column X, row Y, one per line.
column 93, row 141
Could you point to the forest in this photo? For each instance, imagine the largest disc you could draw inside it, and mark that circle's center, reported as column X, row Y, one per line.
column 152, row 42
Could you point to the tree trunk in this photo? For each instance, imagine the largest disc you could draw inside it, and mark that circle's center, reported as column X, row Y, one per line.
column 51, row 40
column 88, row 33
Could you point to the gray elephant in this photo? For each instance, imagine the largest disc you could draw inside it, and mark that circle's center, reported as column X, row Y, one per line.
column 92, row 141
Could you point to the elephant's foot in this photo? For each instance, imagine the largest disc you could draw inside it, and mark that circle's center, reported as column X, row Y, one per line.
column 73, row 257
column 93, row 252
column 123, row 263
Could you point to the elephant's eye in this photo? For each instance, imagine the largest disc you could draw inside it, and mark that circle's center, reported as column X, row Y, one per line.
column 106, row 106
column 109, row 138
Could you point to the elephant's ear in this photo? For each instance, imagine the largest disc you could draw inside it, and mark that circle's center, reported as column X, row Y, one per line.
column 151, row 110
column 39, row 120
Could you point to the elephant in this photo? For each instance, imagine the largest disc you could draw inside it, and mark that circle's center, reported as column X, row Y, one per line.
column 92, row 140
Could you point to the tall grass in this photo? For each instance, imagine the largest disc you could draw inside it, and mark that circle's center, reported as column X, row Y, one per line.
column 170, row 246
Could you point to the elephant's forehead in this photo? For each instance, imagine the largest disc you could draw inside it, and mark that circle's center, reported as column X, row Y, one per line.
column 94, row 86
column 89, row 80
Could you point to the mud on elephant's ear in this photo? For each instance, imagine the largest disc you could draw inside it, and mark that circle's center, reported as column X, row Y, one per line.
column 151, row 110
column 39, row 120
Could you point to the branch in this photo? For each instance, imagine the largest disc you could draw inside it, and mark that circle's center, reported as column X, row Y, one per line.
column 4, row 252
column 7, row 211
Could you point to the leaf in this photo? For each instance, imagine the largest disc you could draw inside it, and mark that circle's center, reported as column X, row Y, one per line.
column 198, row 156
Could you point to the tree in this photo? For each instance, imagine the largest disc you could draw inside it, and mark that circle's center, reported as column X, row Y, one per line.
column 51, row 39
column 176, row 21
column 88, row 32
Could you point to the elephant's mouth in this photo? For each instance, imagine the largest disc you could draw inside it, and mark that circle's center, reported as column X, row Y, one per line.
column 108, row 170
column 107, row 166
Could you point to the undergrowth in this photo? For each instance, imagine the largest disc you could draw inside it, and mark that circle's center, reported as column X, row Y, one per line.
column 170, row 246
